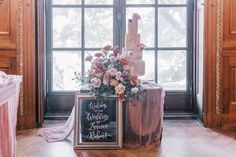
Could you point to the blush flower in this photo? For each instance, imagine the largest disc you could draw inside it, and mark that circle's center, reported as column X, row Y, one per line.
column 120, row 89
column 126, row 67
column 99, row 73
column 114, row 82
column 93, row 66
column 134, row 80
column 98, row 54
column 113, row 71
column 123, row 61
column 106, row 78
column 95, row 83
column 106, row 48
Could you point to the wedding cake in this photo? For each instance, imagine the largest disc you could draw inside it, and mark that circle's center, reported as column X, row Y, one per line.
column 133, row 48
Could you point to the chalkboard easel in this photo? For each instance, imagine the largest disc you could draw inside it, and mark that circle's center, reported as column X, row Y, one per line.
column 98, row 122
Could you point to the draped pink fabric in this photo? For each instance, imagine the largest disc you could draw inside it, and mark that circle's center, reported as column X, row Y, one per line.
column 142, row 122
column 144, row 119
column 58, row 133
column 9, row 98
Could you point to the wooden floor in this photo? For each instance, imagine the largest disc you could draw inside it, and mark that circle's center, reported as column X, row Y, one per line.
column 181, row 138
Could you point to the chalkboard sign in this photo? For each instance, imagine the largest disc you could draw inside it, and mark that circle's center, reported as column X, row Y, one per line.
column 98, row 122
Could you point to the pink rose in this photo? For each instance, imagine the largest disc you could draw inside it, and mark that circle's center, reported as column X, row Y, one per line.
column 116, row 51
column 134, row 80
column 99, row 73
column 112, row 59
column 123, row 61
column 120, row 89
column 113, row 71
column 95, row 83
column 91, row 73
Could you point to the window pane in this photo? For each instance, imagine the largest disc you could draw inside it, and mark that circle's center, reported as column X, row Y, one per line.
column 64, row 66
column 146, row 24
column 66, row 1
column 66, row 27
column 149, row 58
column 172, row 27
column 172, row 1
column 93, row 2
column 172, row 69
column 98, row 27
column 140, row 1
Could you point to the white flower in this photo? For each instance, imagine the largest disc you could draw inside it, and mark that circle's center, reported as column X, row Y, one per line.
column 113, row 71
column 134, row 90
column 118, row 75
column 120, row 89
column 96, row 83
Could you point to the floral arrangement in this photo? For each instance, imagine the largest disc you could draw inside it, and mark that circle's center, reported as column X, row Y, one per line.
column 111, row 74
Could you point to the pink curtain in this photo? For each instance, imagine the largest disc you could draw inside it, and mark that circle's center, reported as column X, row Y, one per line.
column 142, row 121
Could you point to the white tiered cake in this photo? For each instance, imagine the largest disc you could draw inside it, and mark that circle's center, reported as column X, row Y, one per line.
column 133, row 48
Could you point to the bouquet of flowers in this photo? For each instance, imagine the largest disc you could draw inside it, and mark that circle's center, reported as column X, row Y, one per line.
column 111, row 74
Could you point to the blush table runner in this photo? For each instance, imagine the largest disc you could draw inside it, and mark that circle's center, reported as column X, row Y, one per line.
column 142, row 120
column 9, row 96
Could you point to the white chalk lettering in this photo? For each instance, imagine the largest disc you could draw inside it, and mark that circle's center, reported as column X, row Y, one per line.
column 97, row 117
column 97, row 135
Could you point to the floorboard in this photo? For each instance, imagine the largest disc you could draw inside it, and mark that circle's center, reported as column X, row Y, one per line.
column 181, row 138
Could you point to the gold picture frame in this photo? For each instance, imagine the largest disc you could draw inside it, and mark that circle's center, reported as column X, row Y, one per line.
column 98, row 122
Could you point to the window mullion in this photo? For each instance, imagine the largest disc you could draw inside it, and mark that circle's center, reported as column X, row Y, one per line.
column 118, row 22
column 156, row 41
column 83, row 37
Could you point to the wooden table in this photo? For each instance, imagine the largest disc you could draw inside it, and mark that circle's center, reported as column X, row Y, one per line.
column 9, row 96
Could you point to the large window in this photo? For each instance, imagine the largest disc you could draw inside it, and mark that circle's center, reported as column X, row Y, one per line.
column 76, row 28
